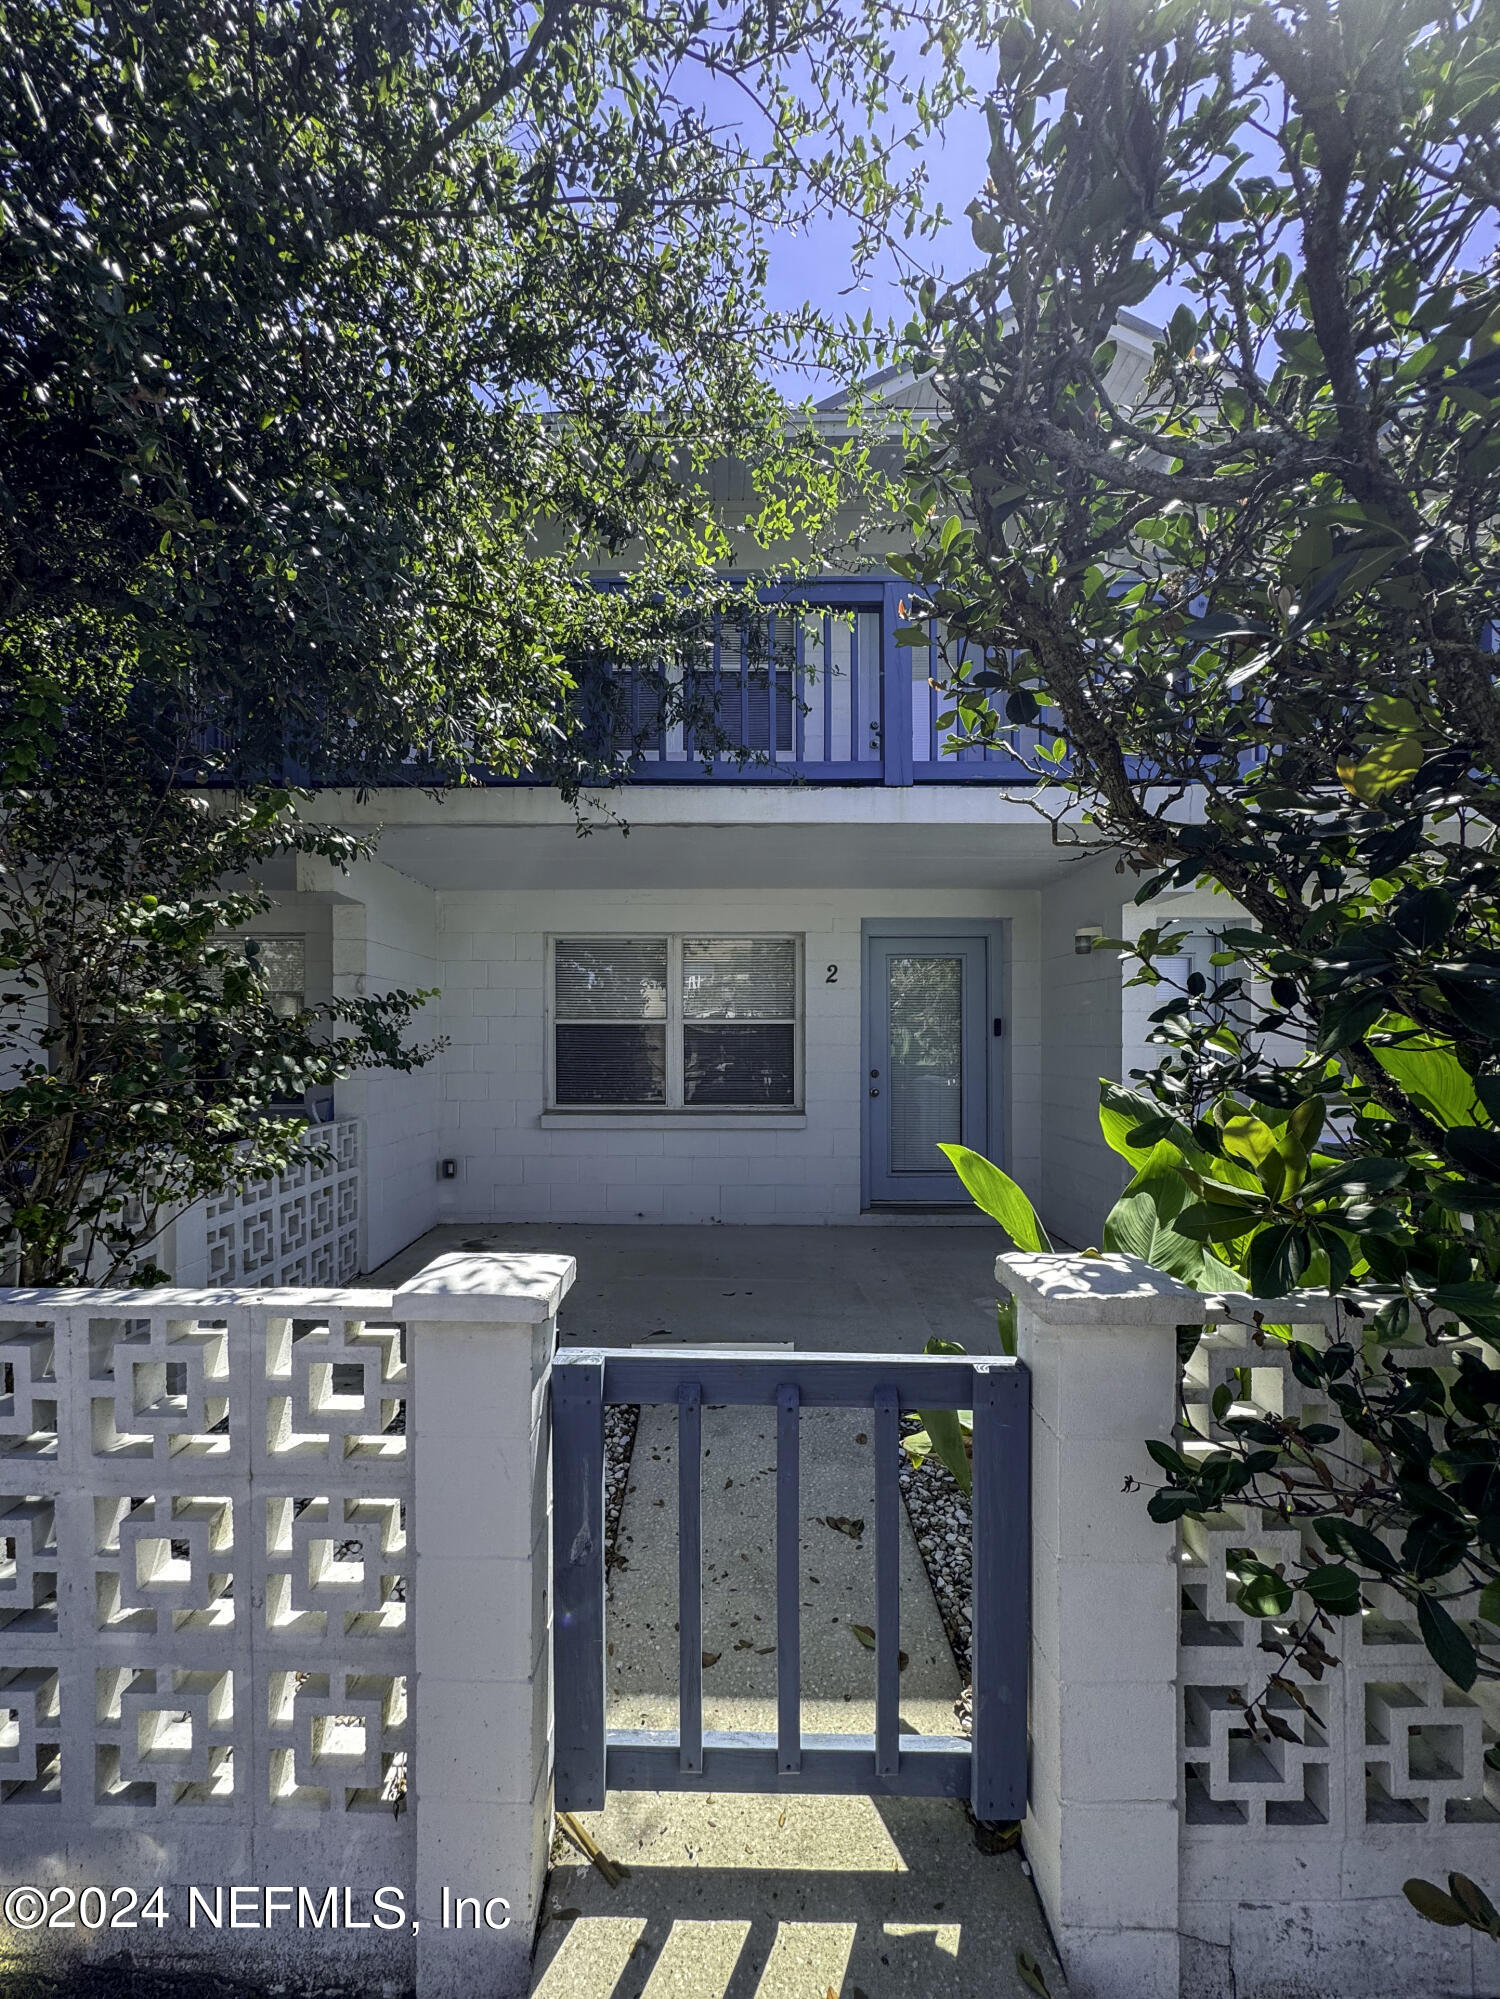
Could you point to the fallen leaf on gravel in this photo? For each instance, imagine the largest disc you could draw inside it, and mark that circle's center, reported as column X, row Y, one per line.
column 762, row 1650
column 743, row 1644
column 710, row 1658
column 1031, row 1974
column 861, row 1438
column 841, row 1524
column 566, row 1915
column 865, row 1636
column 902, row 1662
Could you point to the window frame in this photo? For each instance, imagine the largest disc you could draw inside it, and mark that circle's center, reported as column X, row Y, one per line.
column 673, row 1104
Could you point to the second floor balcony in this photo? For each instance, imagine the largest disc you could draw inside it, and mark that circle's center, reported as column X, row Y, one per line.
column 820, row 693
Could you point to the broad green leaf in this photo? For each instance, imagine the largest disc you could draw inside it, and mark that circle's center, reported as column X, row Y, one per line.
column 998, row 1195
column 1005, row 1326
column 1141, row 1224
column 1247, row 1140
column 1263, row 1594
column 1448, row 1643
column 1333, row 1587
column 1433, row 1074
column 1276, row 1259
column 946, row 1433
column 1383, row 769
column 1348, row 1019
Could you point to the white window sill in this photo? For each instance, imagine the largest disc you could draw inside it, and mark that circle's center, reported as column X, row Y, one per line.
column 626, row 1120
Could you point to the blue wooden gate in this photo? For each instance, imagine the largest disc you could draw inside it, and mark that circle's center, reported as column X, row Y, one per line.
column 988, row 1768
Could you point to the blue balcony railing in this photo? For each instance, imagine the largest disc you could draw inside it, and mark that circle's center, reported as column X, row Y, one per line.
column 820, row 693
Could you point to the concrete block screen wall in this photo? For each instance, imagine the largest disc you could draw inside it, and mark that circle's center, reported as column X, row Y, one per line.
column 518, row 1162
column 1176, row 1857
column 273, row 1627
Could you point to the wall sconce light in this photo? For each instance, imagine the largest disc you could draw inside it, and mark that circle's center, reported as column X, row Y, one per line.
column 1085, row 939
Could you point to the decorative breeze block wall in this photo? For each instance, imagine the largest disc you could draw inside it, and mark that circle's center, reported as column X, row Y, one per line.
column 1382, row 1738
column 205, row 1584
column 302, row 1228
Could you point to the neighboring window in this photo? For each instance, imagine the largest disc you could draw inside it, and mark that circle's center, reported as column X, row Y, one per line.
column 1198, row 947
column 697, row 1023
column 282, row 964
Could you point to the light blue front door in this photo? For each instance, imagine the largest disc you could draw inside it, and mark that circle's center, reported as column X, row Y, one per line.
column 927, row 1045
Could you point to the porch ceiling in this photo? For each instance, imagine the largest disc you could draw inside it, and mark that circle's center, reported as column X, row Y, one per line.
column 1019, row 854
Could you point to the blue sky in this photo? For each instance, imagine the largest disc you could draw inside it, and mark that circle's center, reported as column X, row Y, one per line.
column 815, row 266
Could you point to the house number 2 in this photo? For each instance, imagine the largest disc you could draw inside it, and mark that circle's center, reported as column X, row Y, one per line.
column 833, row 976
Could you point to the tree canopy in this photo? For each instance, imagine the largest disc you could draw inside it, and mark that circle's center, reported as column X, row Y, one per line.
column 1249, row 608
column 335, row 338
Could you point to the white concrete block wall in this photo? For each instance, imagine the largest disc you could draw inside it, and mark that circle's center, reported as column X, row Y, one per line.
column 1170, row 1865
column 1081, row 1021
column 1101, row 1825
column 654, row 1168
column 485, row 1328
column 385, row 938
column 169, row 1717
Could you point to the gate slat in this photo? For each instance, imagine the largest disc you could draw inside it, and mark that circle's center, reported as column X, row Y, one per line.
column 690, row 1578
column 578, row 1580
column 788, row 1580
column 1001, row 1516
column 887, row 1407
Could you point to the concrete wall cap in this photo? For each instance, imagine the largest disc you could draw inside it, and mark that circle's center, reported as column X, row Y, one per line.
column 1307, row 1308
column 1099, row 1291
column 128, row 1302
column 474, row 1286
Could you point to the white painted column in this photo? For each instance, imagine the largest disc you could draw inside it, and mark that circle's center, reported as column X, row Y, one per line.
column 482, row 1329
column 1098, row 1334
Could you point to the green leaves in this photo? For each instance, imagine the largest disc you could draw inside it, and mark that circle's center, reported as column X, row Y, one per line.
column 1142, row 1223
column 1333, row 1588
column 998, row 1195
column 1448, row 1643
column 945, row 1433
column 1348, row 1019
column 1263, row 1592
column 166, row 1071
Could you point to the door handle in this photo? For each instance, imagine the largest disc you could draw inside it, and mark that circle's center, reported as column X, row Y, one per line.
column 874, row 1093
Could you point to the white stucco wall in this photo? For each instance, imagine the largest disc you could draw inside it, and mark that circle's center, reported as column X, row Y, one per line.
column 602, row 1168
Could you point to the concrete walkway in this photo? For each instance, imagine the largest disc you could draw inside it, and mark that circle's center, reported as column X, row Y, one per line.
column 841, row 1290
column 733, row 1897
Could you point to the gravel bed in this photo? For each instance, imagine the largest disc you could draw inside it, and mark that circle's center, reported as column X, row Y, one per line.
column 620, row 1422
column 939, row 1515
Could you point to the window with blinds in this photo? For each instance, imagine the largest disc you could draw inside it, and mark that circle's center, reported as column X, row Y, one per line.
column 282, row 964
column 682, row 1023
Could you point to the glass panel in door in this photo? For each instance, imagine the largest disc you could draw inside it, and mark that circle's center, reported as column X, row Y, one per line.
column 925, row 1030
